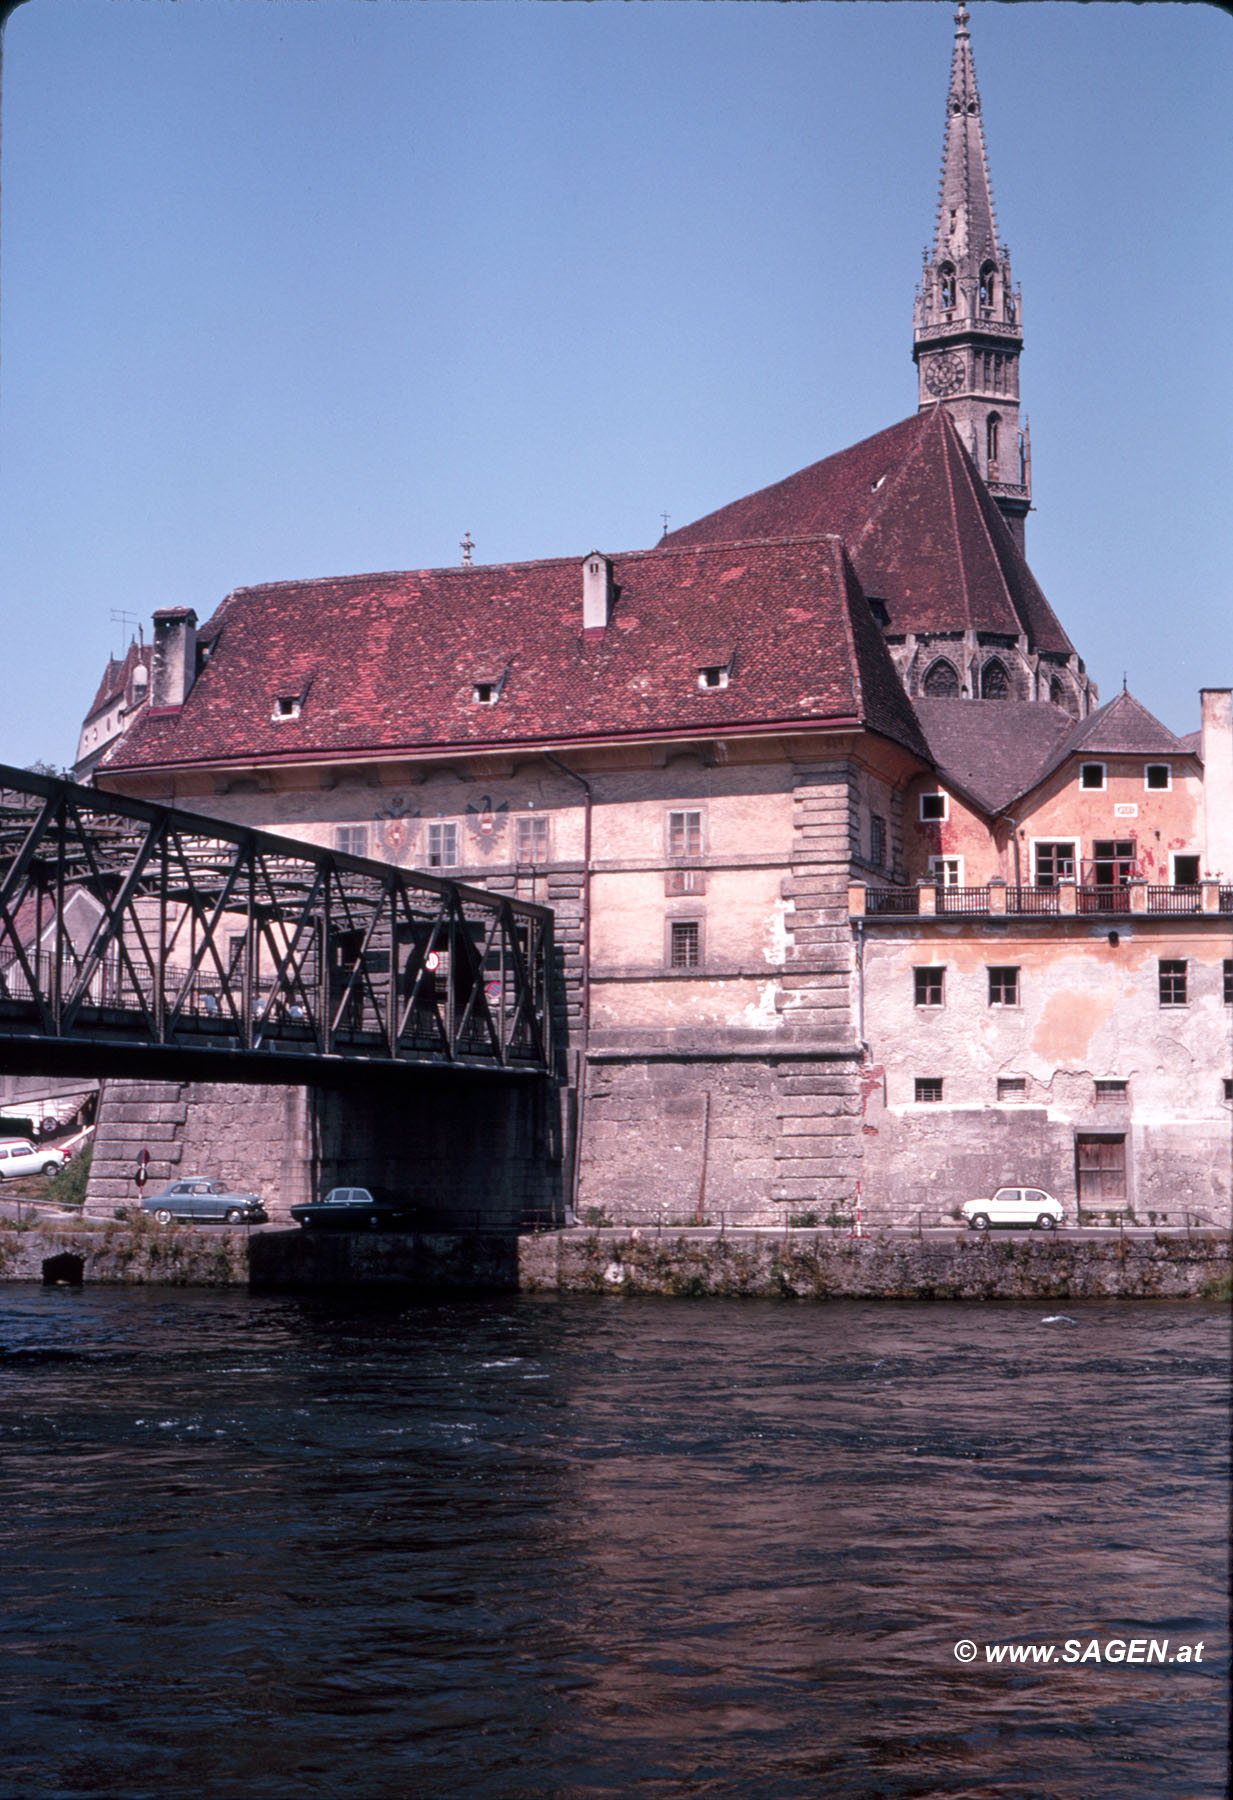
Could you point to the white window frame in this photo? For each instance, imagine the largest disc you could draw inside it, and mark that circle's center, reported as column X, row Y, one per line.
column 939, row 871
column 531, row 825
column 1191, row 856
column 445, row 833
column 1094, row 787
column 1168, row 786
column 938, row 818
column 1034, row 845
column 357, row 832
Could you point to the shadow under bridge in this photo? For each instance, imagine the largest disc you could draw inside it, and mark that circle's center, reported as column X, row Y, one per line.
column 138, row 939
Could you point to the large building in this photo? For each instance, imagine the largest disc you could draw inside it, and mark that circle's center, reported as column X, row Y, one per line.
column 859, row 887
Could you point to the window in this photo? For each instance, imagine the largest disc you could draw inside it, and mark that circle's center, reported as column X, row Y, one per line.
column 352, row 839
column 1054, row 863
column 531, row 838
column 1012, row 1087
column 947, row 871
column 713, row 675
column 1158, row 775
column 1111, row 1093
column 1091, row 775
column 991, row 444
column 287, row 706
column 1228, row 1087
column 1113, row 861
column 684, row 943
column 928, row 985
column 484, row 693
column 994, row 681
column 1003, row 987
column 941, row 680
column 928, row 1090
column 1173, row 982
column 1228, row 981
column 442, row 845
column 877, row 841
column 946, row 283
column 988, row 286
column 1185, row 871
column 684, row 834
column 934, row 806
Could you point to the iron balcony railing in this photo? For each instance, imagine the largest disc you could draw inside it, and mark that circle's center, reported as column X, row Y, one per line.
column 128, row 924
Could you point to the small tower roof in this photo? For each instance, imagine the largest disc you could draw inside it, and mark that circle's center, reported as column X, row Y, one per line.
column 965, row 226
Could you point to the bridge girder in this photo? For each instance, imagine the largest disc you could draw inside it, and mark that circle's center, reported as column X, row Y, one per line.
column 128, row 930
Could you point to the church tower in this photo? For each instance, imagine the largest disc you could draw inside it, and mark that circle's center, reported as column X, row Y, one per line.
column 967, row 336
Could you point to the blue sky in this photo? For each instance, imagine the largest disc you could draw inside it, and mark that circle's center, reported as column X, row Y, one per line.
column 311, row 287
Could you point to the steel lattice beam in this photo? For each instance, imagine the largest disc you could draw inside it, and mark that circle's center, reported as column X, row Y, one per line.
column 131, row 927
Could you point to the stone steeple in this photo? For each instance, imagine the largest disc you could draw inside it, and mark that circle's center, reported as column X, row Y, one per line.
column 967, row 336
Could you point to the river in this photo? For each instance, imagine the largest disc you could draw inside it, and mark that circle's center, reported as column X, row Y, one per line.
column 570, row 1547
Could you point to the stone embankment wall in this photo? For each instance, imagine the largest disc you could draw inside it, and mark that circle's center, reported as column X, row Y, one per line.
column 818, row 1265
column 697, row 1263
column 125, row 1254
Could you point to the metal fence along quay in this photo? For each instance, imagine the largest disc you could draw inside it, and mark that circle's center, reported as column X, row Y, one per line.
column 185, row 943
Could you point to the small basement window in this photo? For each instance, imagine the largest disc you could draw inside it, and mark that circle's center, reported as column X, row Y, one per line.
column 1011, row 1087
column 1158, row 775
column 1111, row 1093
column 1091, row 775
column 928, row 1090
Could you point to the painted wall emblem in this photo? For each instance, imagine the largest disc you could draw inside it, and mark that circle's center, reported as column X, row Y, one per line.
column 487, row 823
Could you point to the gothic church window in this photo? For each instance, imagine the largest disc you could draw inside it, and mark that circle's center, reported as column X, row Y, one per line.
column 991, row 444
column 988, row 286
column 941, row 680
column 994, row 681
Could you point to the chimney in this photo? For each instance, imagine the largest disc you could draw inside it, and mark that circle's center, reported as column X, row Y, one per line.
column 173, row 662
column 1216, row 749
column 598, row 591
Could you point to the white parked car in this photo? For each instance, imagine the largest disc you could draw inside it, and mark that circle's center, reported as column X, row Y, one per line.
column 18, row 1156
column 1015, row 1206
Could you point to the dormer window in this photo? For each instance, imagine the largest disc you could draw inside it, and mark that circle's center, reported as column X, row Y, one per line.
column 487, row 683
column 714, row 668
column 287, row 706
column 880, row 611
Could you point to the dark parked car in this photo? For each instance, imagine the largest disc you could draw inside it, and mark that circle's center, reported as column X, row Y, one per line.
column 357, row 1209
column 196, row 1198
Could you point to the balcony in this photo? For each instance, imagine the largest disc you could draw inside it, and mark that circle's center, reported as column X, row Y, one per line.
column 1068, row 899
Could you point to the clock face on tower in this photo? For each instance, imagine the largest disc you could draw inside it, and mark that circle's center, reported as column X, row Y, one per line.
column 944, row 375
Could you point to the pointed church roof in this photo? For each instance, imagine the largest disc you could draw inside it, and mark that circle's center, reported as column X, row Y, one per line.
column 965, row 224
column 919, row 523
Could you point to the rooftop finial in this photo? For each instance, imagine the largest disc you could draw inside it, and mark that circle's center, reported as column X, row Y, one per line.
column 961, row 16
column 466, row 546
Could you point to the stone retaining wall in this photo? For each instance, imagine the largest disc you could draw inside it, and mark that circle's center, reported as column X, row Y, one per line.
column 769, row 1264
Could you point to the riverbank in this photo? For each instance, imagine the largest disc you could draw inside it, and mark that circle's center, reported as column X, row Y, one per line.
column 684, row 1263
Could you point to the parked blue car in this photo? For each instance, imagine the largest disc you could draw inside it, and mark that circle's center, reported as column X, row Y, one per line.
column 195, row 1198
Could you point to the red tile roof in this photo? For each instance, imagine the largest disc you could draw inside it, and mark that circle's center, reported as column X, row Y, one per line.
column 919, row 524
column 388, row 663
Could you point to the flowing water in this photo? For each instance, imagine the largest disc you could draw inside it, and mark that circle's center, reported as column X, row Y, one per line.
column 567, row 1548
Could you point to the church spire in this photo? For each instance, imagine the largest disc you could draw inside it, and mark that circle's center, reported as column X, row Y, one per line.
column 967, row 337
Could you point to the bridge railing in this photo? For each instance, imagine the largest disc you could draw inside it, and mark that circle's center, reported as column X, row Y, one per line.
column 127, row 923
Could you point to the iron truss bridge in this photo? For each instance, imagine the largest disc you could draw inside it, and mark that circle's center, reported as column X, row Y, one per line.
column 139, row 939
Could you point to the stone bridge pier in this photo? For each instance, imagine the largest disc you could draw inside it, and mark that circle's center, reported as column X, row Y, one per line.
column 482, row 1149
